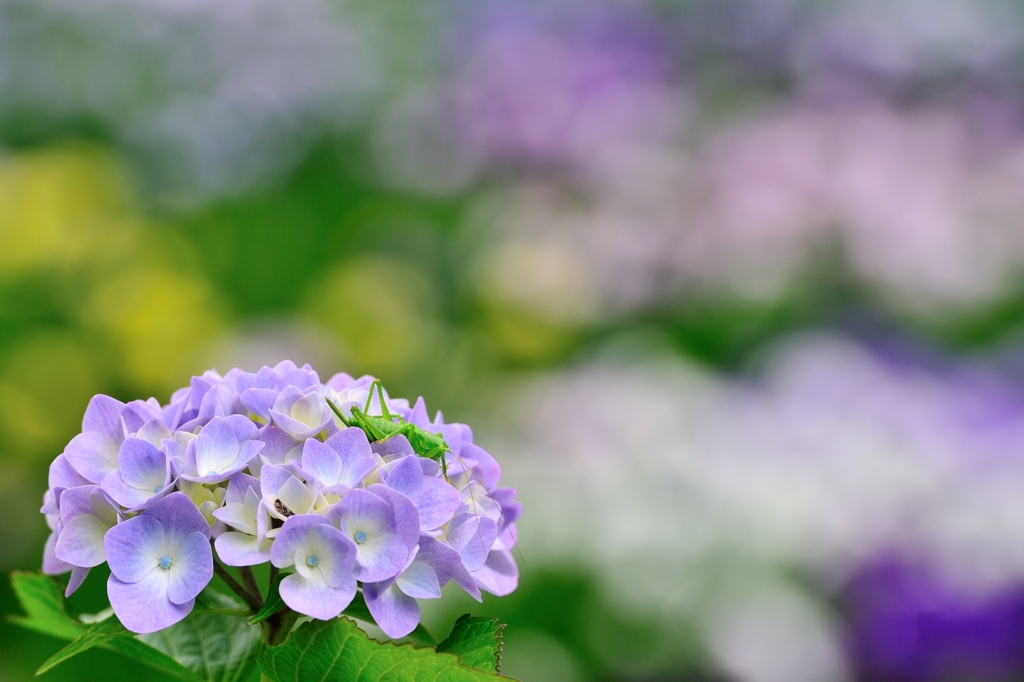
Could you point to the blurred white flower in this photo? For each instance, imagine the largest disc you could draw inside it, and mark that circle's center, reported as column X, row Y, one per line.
column 211, row 96
column 683, row 490
column 906, row 38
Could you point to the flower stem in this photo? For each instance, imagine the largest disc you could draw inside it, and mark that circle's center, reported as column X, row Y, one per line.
column 227, row 612
column 281, row 625
column 251, row 600
column 249, row 580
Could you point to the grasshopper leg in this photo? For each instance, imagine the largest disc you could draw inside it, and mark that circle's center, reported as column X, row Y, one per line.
column 383, row 404
column 369, row 397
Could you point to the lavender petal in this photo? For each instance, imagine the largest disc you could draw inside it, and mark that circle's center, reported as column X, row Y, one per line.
column 396, row 613
column 191, row 569
column 143, row 606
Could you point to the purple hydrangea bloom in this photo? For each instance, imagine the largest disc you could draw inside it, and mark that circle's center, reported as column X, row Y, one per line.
column 322, row 585
column 472, row 536
column 346, row 393
column 93, row 453
column 258, row 392
column 223, row 447
column 278, row 448
column 435, row 499
column 488, row 560
column 51, row 564
column 499, row 574
column 61, row 477
column 392, row 448
column 475, row 464
column 430, row 566
column 86, row 515
column 209, row 397
column 454, row 434
column 159, row 561
column 144, row 474
column 340, row 463
column 384, row 527
column 247, row 544
column 286, row 494
column 300, row 414
column 255, row 462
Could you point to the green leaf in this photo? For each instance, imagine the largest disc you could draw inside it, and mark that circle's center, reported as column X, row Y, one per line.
column 477, row 641
column 43, row 601
column 360, row 611
column 215, row 646
column 338, row 651
column 273, row 604
column 135, row 648
column 98, row 634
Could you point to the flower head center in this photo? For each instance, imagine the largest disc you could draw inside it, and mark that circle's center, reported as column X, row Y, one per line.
column 165, row 562
column 311, row 560
column 360, row 537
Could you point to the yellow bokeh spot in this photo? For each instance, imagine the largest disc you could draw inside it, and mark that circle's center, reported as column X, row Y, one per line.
column 61, row 207
column 158, row 318
column 46, row 381
column 534, row 299
column 381, row 309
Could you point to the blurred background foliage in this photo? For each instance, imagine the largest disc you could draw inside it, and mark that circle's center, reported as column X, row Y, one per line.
column 731, row 288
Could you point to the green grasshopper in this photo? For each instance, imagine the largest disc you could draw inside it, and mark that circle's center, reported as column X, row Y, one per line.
column 424, row 443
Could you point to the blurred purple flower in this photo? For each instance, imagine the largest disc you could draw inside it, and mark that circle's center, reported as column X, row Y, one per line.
column 910, row 626
column 535, row 86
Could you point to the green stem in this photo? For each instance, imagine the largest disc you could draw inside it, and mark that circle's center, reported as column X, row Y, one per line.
column 252, row 601
column 249, row 580
column 273, row 576
column 281, row 625
column 226, row 612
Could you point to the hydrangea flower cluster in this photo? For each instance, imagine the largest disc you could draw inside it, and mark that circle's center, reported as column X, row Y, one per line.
column 257, row 467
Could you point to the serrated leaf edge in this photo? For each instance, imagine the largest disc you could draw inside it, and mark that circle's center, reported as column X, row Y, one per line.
column 500, row 635
column 410, row 645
